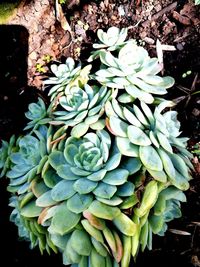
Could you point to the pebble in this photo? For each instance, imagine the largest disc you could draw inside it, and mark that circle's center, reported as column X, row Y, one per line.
column 180, row 46
column 149, row 40
column 33, row 55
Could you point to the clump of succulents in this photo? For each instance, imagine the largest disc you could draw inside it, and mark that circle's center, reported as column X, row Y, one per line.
column 103, row 168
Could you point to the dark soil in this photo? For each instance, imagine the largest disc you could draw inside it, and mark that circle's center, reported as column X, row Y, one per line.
column 173, row 23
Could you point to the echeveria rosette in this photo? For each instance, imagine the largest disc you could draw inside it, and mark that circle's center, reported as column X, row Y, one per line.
column 91, row 168
column 37, row 114
column 111, row 40
column 82, row 108
column 153, row 138
column 66, row 75
column 27, row 158
column 134, row 71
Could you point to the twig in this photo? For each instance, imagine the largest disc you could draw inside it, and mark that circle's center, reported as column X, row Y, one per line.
column 134, row 26
column 160, row 13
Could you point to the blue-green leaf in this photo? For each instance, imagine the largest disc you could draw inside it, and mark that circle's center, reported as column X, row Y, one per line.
column 105, row 190
column 31, row 210
column 150, row 158
column 125, row 190
column 84, row 186
column 63, row 190
column 79, row 203
column 45, row 200
column 137, row 136
column 64, row 220
column 116, row 177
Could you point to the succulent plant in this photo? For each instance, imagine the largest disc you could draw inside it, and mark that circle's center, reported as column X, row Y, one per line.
column 132, row 70
column 66, row 75
column 152, row 137
column 37, row 114
column 82, row 108
column 112, row 39
column 103, row 168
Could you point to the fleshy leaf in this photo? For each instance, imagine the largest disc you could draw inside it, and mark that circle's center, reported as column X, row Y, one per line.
column 105, row 190
column 118, row 127
column 137, row 136
column 79, row 203
column 63, row 190
column 103, row 211
column 45, row 200
column 126, row 147
column 80, row 242
column 150, row 158
column 84, row 186
column 31, row 210
column 116, row 177
column 64, row 220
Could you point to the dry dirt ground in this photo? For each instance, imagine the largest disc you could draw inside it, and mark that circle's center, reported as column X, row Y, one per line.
column 175, row 23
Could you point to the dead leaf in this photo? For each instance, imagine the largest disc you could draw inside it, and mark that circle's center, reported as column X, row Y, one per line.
column 168, row 48
column 182, row 19
column 179, row 232
column 159, row 51
column 72, row 3
column 197, row 223
column 61, row 17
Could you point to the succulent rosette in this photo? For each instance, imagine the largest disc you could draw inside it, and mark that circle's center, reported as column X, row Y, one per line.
column 91, row 168
column 37, row 114
column 153, row 137
column 82, row 108
column 103, row 167
column 132, row 69
column 66, row 75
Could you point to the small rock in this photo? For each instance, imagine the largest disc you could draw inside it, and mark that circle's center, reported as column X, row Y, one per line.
column 143, row 35
column 33, row 55
column 179, row 47
column 121, row 10
column 149, row 40
column 196, row 112
column 55, row 47
column 158, row 7
column 113, row 17
column 52, row 28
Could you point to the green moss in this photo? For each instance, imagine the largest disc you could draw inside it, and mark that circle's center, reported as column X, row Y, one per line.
column 7, row 9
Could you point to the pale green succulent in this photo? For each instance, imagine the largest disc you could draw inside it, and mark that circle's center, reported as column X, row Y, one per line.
column 132, row 70
column 82, row 108
column 66, row 76
column 153, row 137
column 112, row 39
column 37, row 114
column 99, row 171
column 27, row 157
column 91, row 169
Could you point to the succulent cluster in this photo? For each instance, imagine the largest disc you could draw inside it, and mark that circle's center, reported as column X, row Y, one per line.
column 102, row 168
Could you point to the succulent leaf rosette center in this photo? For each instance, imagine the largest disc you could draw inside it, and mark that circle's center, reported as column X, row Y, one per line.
column 92, row 164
